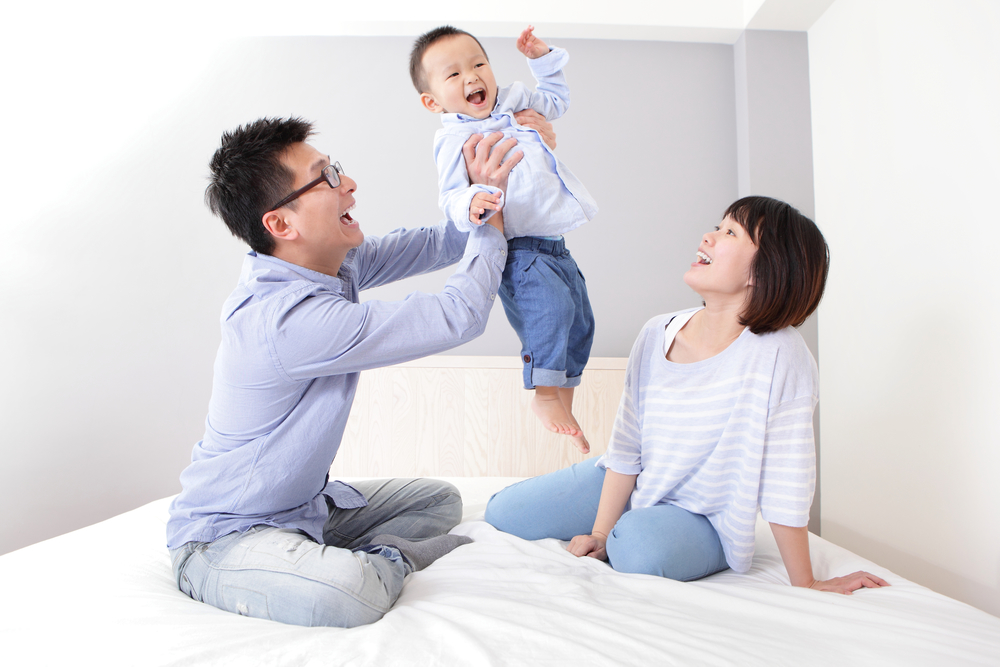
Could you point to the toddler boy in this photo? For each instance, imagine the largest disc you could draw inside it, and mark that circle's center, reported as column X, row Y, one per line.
column 543, row 292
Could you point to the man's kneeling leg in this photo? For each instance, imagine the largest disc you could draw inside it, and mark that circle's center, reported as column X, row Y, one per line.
column 285, row 576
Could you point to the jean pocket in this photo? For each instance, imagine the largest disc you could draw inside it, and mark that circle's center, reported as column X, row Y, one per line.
column 245, row 602
column 288, row 546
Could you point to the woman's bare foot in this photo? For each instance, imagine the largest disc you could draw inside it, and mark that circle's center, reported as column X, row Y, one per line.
column 549, row 406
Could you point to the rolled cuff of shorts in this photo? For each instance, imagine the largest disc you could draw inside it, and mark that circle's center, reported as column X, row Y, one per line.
column 544, row 377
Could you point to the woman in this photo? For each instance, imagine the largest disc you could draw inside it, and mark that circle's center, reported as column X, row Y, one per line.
column 714, row 425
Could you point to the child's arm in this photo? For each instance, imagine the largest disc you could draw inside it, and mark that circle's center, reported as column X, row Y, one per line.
column 482, row 202
column 456, row 193
column 530, row 45
column 614, row 496
column 551, row 95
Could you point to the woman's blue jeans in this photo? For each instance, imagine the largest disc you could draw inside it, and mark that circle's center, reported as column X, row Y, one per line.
column 662, row 540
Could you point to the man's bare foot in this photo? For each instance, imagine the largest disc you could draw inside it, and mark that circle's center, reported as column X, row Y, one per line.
column 548, row 405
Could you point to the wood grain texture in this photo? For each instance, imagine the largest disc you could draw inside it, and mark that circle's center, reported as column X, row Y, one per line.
column 468, row 417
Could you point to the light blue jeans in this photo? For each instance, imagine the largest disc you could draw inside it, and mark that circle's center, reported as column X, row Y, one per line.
column 662, row 540
column 285, row 576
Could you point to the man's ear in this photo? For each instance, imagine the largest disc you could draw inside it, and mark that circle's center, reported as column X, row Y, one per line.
column 430, row 103
column 278, row 227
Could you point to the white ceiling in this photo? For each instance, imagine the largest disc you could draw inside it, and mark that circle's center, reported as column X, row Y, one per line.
column 675, row 20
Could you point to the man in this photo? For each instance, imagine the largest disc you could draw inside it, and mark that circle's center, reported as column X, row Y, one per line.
column 252, row 528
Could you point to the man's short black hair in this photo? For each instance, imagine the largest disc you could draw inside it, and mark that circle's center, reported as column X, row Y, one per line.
column 417, row 74
column 248, row 176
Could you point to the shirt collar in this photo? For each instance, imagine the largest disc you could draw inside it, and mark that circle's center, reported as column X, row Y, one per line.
column 267, row 268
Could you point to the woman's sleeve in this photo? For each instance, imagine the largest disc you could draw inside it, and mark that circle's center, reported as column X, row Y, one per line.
column 788, row 468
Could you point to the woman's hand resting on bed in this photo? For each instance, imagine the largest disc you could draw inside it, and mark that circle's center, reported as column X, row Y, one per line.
column 850, row 583
column 589, row 545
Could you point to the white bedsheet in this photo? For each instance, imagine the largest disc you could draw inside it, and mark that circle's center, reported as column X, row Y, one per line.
column 104, row 595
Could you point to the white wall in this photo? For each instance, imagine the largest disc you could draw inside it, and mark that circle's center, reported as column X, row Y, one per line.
column 113, row 272
column 906, row 137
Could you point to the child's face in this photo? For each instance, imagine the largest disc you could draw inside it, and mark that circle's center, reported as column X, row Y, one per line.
column 459, row 78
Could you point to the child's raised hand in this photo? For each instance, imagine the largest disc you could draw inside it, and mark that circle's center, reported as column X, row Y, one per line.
column 480, row 203
column 530, row 45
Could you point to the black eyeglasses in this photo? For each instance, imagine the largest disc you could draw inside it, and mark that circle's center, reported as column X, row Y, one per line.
column 331, row 174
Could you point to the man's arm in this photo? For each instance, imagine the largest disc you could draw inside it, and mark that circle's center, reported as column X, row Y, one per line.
column 316, row 331
column 405, row 253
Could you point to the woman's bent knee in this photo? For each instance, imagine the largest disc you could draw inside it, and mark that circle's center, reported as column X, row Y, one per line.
column 683, row 547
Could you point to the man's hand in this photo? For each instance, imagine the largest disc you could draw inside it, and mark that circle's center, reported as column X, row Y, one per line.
column 589, row 545
column 480, row 202
column 533, row 120
column 484, row 159
column 530, row 45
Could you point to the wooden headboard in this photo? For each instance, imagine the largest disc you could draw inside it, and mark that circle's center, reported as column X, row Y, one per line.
column 450, row 416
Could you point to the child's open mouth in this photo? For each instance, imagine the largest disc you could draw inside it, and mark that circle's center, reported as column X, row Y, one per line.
column 476, row 97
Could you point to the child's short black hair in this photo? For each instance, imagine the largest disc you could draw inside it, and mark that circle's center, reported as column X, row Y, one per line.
column 420, row 47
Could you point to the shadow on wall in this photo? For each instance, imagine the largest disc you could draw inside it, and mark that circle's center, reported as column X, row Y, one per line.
column 916, row 569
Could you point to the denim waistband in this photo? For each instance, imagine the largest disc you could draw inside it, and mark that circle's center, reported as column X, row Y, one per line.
column 547, row 246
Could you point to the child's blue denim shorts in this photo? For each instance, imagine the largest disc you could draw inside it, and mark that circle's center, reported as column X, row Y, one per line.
column 545, row 298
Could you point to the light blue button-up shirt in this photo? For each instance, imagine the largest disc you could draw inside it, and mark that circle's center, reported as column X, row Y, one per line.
column 543, row 196
column 293, row 344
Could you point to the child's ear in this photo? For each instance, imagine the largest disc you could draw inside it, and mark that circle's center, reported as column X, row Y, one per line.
column 430, row 103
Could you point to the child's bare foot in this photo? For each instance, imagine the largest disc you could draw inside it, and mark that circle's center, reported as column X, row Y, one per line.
column 566, row 396
column 550, row 409
column 549, row 405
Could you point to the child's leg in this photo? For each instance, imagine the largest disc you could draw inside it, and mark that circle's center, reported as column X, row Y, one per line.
column 566, row 396
column 551, row 406
column 540, row 304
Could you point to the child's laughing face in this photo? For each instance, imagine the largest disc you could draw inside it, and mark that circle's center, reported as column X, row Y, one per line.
column 459, row 78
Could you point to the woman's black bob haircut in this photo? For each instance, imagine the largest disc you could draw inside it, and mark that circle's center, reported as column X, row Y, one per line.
column 788, row 272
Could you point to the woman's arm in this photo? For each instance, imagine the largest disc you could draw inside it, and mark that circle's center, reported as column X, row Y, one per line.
column 793, row 544
column 614, row 496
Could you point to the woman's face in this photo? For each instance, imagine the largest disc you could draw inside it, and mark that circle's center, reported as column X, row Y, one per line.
column 721, row 269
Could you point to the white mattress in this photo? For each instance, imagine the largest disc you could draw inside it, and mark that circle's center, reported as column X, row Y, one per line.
column 104, row 595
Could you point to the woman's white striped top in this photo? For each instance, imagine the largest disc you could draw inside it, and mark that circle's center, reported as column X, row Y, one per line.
column 723, row 437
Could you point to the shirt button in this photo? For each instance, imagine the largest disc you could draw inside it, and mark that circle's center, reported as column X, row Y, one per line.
column 503, row 253
column 492, row 295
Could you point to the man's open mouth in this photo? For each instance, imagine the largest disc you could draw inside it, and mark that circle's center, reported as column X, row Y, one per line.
column 476, row 97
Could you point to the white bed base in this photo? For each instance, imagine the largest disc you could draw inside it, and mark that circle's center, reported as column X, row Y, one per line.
column 105, row 595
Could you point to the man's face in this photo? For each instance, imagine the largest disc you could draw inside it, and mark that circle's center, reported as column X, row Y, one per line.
column 322, row 214
column 459, row 78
